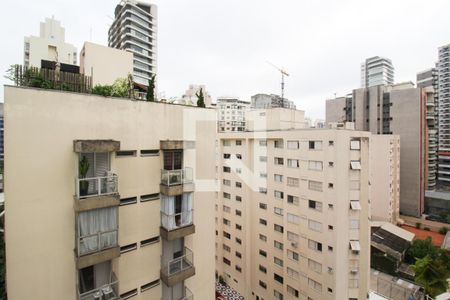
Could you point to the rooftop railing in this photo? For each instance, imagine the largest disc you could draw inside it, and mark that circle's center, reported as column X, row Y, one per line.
column 176, row 177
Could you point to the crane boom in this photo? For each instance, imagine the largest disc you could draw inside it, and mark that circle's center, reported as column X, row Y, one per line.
column 283, row 73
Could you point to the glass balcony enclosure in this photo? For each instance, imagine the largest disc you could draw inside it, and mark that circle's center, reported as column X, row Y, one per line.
column 94, row 176
column 98, row 282
column 179, row 262
column 97, row 230
column 176, row 177
column 176, row 211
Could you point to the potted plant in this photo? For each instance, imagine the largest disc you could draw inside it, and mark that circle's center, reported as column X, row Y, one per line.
column 83, row 168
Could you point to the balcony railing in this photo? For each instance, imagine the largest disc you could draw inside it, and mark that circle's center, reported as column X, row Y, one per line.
column 179, row 264
column 176, row 177
column 187, row 294
column 97, row 242
column 96, row 186
column 108, row 291
column 175, row 221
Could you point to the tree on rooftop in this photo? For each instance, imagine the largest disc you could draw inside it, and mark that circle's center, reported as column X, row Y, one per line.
column 200, row 98
column 151, row 89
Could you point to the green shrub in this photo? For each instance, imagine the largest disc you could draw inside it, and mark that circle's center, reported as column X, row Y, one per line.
column 418, row 225
column 443, row 230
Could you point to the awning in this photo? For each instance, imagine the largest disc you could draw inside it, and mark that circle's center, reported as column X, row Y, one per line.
column 355, row 205
column 354, row 245
column 355, row 165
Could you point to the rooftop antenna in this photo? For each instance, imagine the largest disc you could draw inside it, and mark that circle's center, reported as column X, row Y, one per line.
column 283, row 73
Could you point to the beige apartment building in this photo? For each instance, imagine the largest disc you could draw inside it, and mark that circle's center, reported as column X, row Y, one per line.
column 292, row 214
column 107, row 198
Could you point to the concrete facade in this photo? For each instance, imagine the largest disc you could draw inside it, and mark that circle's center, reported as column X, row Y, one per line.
column 95, row 61
column 286, row 222
column 265, row 101
column 377, row 71
column 43, row 244
column 400, row 110
column 231, row 114
column 49, row 45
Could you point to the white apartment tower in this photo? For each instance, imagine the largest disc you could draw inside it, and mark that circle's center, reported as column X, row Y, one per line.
column 50, row 45
column 443, row 67
column 377, row 71
column 135, row 29
column 231, row 114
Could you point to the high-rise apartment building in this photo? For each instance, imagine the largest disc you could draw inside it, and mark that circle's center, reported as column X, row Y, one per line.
column 443, row 68
column 401, row 110
column 377, row 71
column 50, row 46
column 117, row 204
column 231, row 114
column 135, row 29
column 265, row 101
column 292, row 215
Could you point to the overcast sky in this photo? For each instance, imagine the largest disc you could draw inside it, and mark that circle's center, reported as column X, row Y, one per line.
column 225, row 44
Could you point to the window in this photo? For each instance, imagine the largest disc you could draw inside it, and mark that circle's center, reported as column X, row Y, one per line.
column 315, row 185
column 238, row 227
column 313, row 245
column 227, row 261
column 262, row 284
column 291, row 181
column 330, row 290
column 226, row 182
column 292, row 273
column 262, row 253
column 277, row 295
column 226, row 169
column 331, row 164
column 279, row 161
column 293, row 218
column 263, row 269
column 330, row 206
column 263, row 175
column 239, row 241
column 278, row 144
column 314, row 225
column 278, row 245
column 330, row 248
column 238, row 198
column 238, row 212
column 173, row 160
column 238, row 171
column 278, row 261
column 278, row 211
column 293, row 237
column 292, row 199
column 239, row 269
column 292, row 291
column 355, row 247
column 238, row 142
column 226, row 222
column 293, row 163
column 355, row 145
column 263, row 158
column 126, row 153
column 152, row 152
column 149, row 197
column 127, row 201
column 152, row 240
column 226, row 155
column 355, row 205
column 128, row 248
column 330, row 185
column 226, row 209
column 355, row 165
column 330, row 227
column 278, row 178
column 354, row 185
column 278, row 278
column 238, row 156
column 263, row 238
column 263, row 190
column 330, row 143
column 263, row 143
column 293, row 255
column 226, row 248
column 227, row 235
column 226, row 195
column 316, row 205
column 278, row 194
column 354, row 224
column 293, row 145
column 314, row 285
column 226, row 142
column 278, row 228
column 315, row 165
column 129, row 294
column 262, row 205
column 315, row 145
column 238, row 184
column 149, row 285
column 315, row 266
column 263, row 222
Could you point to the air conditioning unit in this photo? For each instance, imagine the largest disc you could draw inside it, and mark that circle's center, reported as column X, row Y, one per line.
column 294, row 244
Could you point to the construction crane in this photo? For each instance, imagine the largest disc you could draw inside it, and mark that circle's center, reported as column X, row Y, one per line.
column 283, row 73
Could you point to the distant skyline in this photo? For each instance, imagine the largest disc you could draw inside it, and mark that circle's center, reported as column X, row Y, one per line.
column 225, row 44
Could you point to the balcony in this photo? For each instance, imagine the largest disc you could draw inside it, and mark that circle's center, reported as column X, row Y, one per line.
column 176, row 270
column 187, row 294
column 175, row 182
column 109, row 291
column 177, row 225
column 96, row 192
